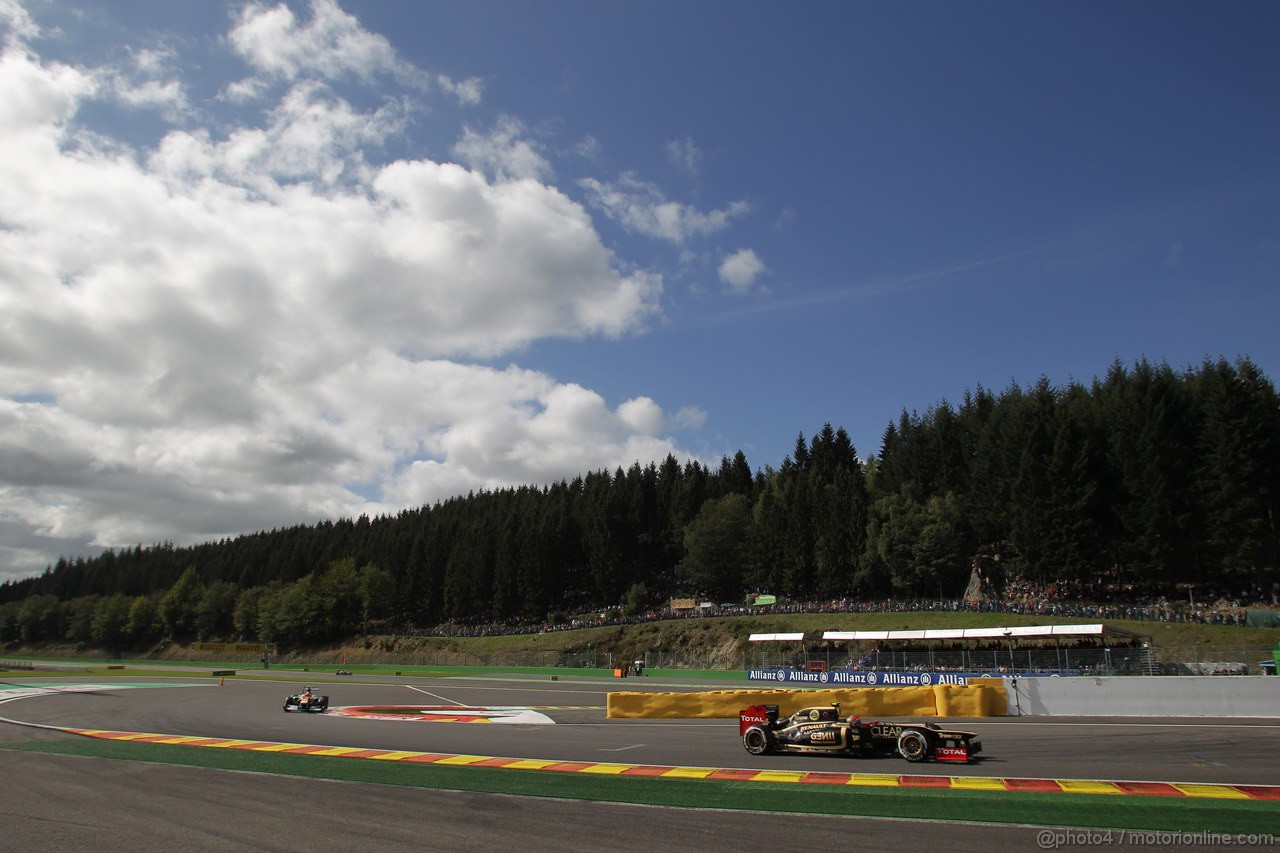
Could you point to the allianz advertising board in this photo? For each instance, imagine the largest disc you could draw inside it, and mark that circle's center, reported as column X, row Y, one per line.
column 873, row 679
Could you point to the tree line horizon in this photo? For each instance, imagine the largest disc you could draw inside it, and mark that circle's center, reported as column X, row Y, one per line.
column 1148, row 477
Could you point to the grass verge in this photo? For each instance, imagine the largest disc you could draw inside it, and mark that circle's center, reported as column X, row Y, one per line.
column 325, row 674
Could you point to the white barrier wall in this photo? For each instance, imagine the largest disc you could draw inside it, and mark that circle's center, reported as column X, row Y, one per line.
column 1155, row 696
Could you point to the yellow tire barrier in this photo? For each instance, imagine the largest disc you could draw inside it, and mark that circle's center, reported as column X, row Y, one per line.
column 981, row 697
column 985, row 699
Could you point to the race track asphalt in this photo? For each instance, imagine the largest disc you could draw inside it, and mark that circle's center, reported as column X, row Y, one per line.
column 66, row 803
column 1143, row 749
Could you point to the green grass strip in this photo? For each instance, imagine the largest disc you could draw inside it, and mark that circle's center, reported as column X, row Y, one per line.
column 327, row 676
column 386, row 669
column 1175, row 814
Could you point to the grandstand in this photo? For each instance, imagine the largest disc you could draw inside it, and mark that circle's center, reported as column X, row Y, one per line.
column 1093, row 649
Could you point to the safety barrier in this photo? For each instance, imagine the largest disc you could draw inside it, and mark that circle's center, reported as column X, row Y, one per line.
column 1179, row 696
column 985, row 699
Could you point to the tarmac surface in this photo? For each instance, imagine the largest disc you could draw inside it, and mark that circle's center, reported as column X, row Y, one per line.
column 66, row 803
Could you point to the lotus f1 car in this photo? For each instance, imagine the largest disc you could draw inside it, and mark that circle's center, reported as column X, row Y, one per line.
column 822, row 730
column 307, row 701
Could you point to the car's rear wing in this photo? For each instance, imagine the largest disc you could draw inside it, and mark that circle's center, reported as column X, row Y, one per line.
column 757, row 715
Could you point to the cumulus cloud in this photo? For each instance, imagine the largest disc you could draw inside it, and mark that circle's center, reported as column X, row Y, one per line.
column 234, row 329
column 741, row 270
column 642, row 208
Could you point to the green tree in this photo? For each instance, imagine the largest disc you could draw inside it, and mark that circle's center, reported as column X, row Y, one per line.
column 244, row 616
column 1240, row 466
column 1031, row 510
column 295, row 614
column 79, row 618
column 635, row 601
column 177, row 610
column 40, row 619
column 9, row 628
column 143, row 623
column 769, row 553
column 110, row 620
column 1153, row 447
column 922, row 547
column 716, row 547
column 215, row 611
column 337, row 601
column 377, row 595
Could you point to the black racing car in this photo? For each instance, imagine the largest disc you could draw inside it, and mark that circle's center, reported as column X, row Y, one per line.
column 822, row 730
column 308, row 701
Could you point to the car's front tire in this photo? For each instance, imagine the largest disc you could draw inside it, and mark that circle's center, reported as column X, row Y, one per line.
column 757, row 741
column 913, row 746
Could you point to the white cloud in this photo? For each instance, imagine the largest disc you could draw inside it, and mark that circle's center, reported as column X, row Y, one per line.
column 588, row 148
column 149, row 82
column 239, row 329
column 642, row 208
column 741, row 270
column 466, row 91
column 520, row 427
column 17, row 21
column 331, row 45
column 506, row 152
column 685, row 154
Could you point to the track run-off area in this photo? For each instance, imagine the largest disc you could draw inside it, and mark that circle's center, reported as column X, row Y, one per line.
column 494, row 734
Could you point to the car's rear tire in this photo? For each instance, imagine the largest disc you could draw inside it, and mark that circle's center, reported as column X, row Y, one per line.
column 757, row 741
column 913, row 746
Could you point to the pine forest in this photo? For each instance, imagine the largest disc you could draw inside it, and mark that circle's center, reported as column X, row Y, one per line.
column 1147, row 477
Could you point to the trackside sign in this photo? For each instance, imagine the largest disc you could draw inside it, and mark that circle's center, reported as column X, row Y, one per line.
column 863, row 679
column 228, row 647
column 885, row 679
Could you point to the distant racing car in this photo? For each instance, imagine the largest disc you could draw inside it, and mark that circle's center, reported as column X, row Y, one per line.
column 821, row 729
column 308, row 701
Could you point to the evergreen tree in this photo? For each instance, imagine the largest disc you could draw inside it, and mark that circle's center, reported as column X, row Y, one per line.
column 715, row 547
column 1166, row 476
column 177, row 610
column 1240, row 466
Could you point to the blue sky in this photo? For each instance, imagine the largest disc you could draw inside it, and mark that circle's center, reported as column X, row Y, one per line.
column 269, row 263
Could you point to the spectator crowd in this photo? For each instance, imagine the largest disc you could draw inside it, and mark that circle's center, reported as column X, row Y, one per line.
column 1101, row 601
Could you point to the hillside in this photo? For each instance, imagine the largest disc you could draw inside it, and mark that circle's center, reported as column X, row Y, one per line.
column 724, row 636
column 706, row 642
